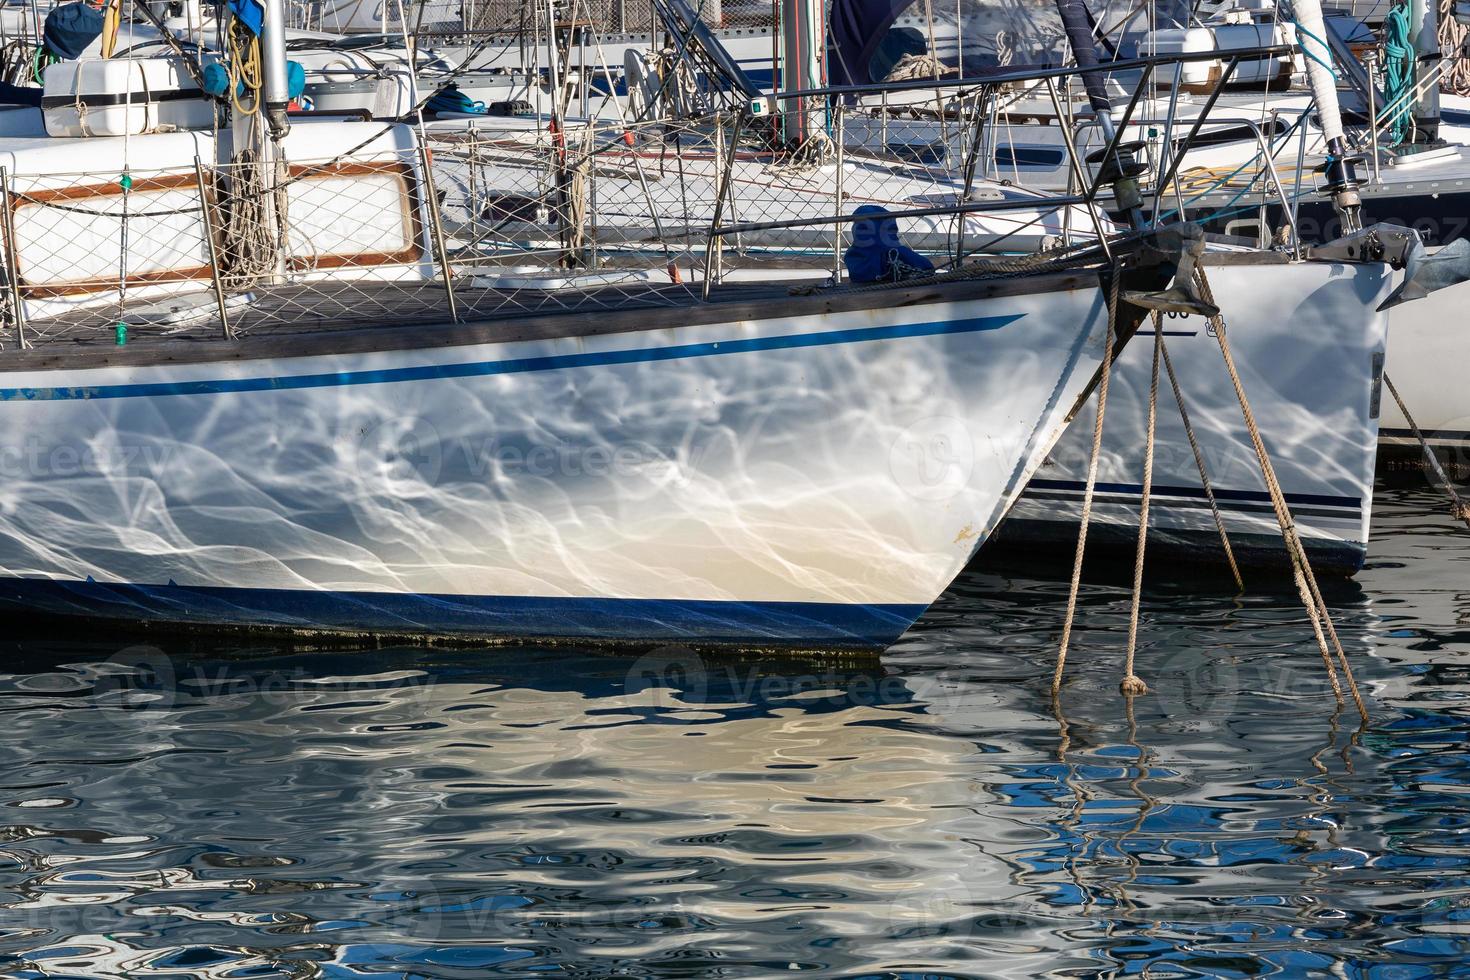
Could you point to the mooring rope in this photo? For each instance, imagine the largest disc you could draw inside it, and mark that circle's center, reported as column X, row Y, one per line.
column 1132, row 684
column 1306, row 582
column 1097, row 430
column 1457, row 505
column 1199, row 457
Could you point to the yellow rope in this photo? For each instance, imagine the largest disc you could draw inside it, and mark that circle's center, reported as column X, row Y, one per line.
column 111, row 20
column 245, row 70
column 1213, row 178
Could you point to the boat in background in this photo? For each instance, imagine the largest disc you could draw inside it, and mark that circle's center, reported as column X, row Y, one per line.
column 1251, row 171
column 1241, row 177
column 1304, row 352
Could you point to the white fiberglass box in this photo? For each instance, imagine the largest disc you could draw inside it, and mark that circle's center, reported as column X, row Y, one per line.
column 122, row 97
column 1222, row 38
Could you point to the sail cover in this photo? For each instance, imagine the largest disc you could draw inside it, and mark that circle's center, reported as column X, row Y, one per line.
column 856, row 30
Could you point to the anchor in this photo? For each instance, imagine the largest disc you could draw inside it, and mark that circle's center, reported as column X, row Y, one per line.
column 1176, row 247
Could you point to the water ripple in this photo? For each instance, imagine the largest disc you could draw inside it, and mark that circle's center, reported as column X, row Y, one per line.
column 207, row 810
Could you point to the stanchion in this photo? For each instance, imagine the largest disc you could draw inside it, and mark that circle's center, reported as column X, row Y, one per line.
column 213, row 244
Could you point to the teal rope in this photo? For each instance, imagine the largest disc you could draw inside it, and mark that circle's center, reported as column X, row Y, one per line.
column 1398, row 74
column 1321, row 46
column 42, row 60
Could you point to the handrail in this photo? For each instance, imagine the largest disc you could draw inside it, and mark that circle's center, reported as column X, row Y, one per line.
column 1092, row 189
column 1266, row 156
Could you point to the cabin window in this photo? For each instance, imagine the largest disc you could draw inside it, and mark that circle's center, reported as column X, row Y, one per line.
column 70, row 238
column 1234, row 134
column 1011, row 155
column 924, row 154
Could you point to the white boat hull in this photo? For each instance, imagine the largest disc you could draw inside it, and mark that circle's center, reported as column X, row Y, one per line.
column 1431, row 349
column 812, row 480
column 1309, row 359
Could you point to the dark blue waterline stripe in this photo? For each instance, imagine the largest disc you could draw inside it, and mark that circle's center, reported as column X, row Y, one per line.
column 506, row 617
column 520, row 365
column 1030, row 538
column 1438, row 434
column 1196, row 503
column 1320, row 499
column 1175, row 504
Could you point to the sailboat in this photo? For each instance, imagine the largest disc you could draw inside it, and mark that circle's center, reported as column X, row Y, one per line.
column 244, row 389
column 641, row 464
column 1412, row 139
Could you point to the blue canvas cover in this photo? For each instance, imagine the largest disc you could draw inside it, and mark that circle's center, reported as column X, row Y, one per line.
column 877, row 254
column 250, row 13
column 70, row 28
column 866, row 38
column 856, row 30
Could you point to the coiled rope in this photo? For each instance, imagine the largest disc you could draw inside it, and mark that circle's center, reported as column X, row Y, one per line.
column 1452, row 41
column 245, row 68
column 254, row 245
column 915, row 66
column 1398, row 75
column 43, row 59
column 17, row 59
column 1005, row 47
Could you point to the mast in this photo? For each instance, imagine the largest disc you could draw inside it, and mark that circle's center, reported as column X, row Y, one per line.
column 1078, row 27
column 273, row 56
column 803, row 33
column 1424, row 34
column 1123, row 169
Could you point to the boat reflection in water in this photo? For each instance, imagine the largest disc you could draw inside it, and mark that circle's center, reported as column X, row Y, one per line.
column 444, row 813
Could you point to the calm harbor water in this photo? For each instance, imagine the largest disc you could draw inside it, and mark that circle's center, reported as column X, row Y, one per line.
column 215, row 810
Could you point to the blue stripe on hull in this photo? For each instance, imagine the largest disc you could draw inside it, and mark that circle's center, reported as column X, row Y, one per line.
column 518, row 365
column 797, row 624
